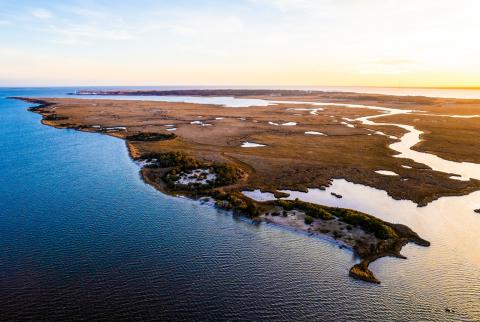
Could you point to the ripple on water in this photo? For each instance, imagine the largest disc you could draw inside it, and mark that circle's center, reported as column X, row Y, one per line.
column 451, row 263
column 82, row 237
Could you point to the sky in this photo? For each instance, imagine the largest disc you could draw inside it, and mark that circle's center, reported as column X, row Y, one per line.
column 425, row 43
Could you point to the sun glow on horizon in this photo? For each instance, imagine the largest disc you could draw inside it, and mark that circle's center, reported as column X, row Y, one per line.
column 249, row 42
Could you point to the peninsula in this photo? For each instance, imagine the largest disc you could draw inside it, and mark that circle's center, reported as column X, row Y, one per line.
column 300, row 140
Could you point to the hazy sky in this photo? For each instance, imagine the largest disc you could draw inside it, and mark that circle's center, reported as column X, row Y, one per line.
column 245, row 42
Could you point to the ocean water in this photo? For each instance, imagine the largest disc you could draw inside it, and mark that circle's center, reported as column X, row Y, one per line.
column 82, row 237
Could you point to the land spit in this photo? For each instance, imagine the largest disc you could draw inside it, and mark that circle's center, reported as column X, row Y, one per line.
column 289, row 160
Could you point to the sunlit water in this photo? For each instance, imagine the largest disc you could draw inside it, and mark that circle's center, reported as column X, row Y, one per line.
column 465, row 170
column 449, row 223
column 227, row 101
column 81, row 236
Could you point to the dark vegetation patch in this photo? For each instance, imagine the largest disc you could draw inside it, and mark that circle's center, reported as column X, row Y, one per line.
column 308, row 220
column 173, row 164
column 236, row 202
column 151, row 137
column 54, row 117
column 353, row 218
column 178, row 163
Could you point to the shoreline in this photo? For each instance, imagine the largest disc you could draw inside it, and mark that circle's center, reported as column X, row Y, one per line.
column 215, row 143
column 401, row 235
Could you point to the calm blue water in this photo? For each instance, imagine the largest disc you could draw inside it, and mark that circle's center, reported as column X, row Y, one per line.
column 82, row 237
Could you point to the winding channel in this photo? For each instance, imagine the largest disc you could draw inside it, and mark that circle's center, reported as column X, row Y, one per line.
column 449, row 222
column 464, row 170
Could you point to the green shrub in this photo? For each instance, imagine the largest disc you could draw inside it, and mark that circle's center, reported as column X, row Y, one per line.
column 308, row 220
column 310, row 209
column 367, row 223
column 226, row 174
column 285, row 204
column 171, row 159
column 236, row 202
column 352, row 218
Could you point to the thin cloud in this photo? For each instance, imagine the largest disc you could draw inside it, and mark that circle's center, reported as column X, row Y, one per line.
column 42, row 13
column 85, row 34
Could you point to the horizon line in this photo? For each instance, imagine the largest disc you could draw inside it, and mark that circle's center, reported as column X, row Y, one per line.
column 255, row 86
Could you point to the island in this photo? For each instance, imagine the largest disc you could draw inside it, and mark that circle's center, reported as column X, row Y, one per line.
column 216, row 153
